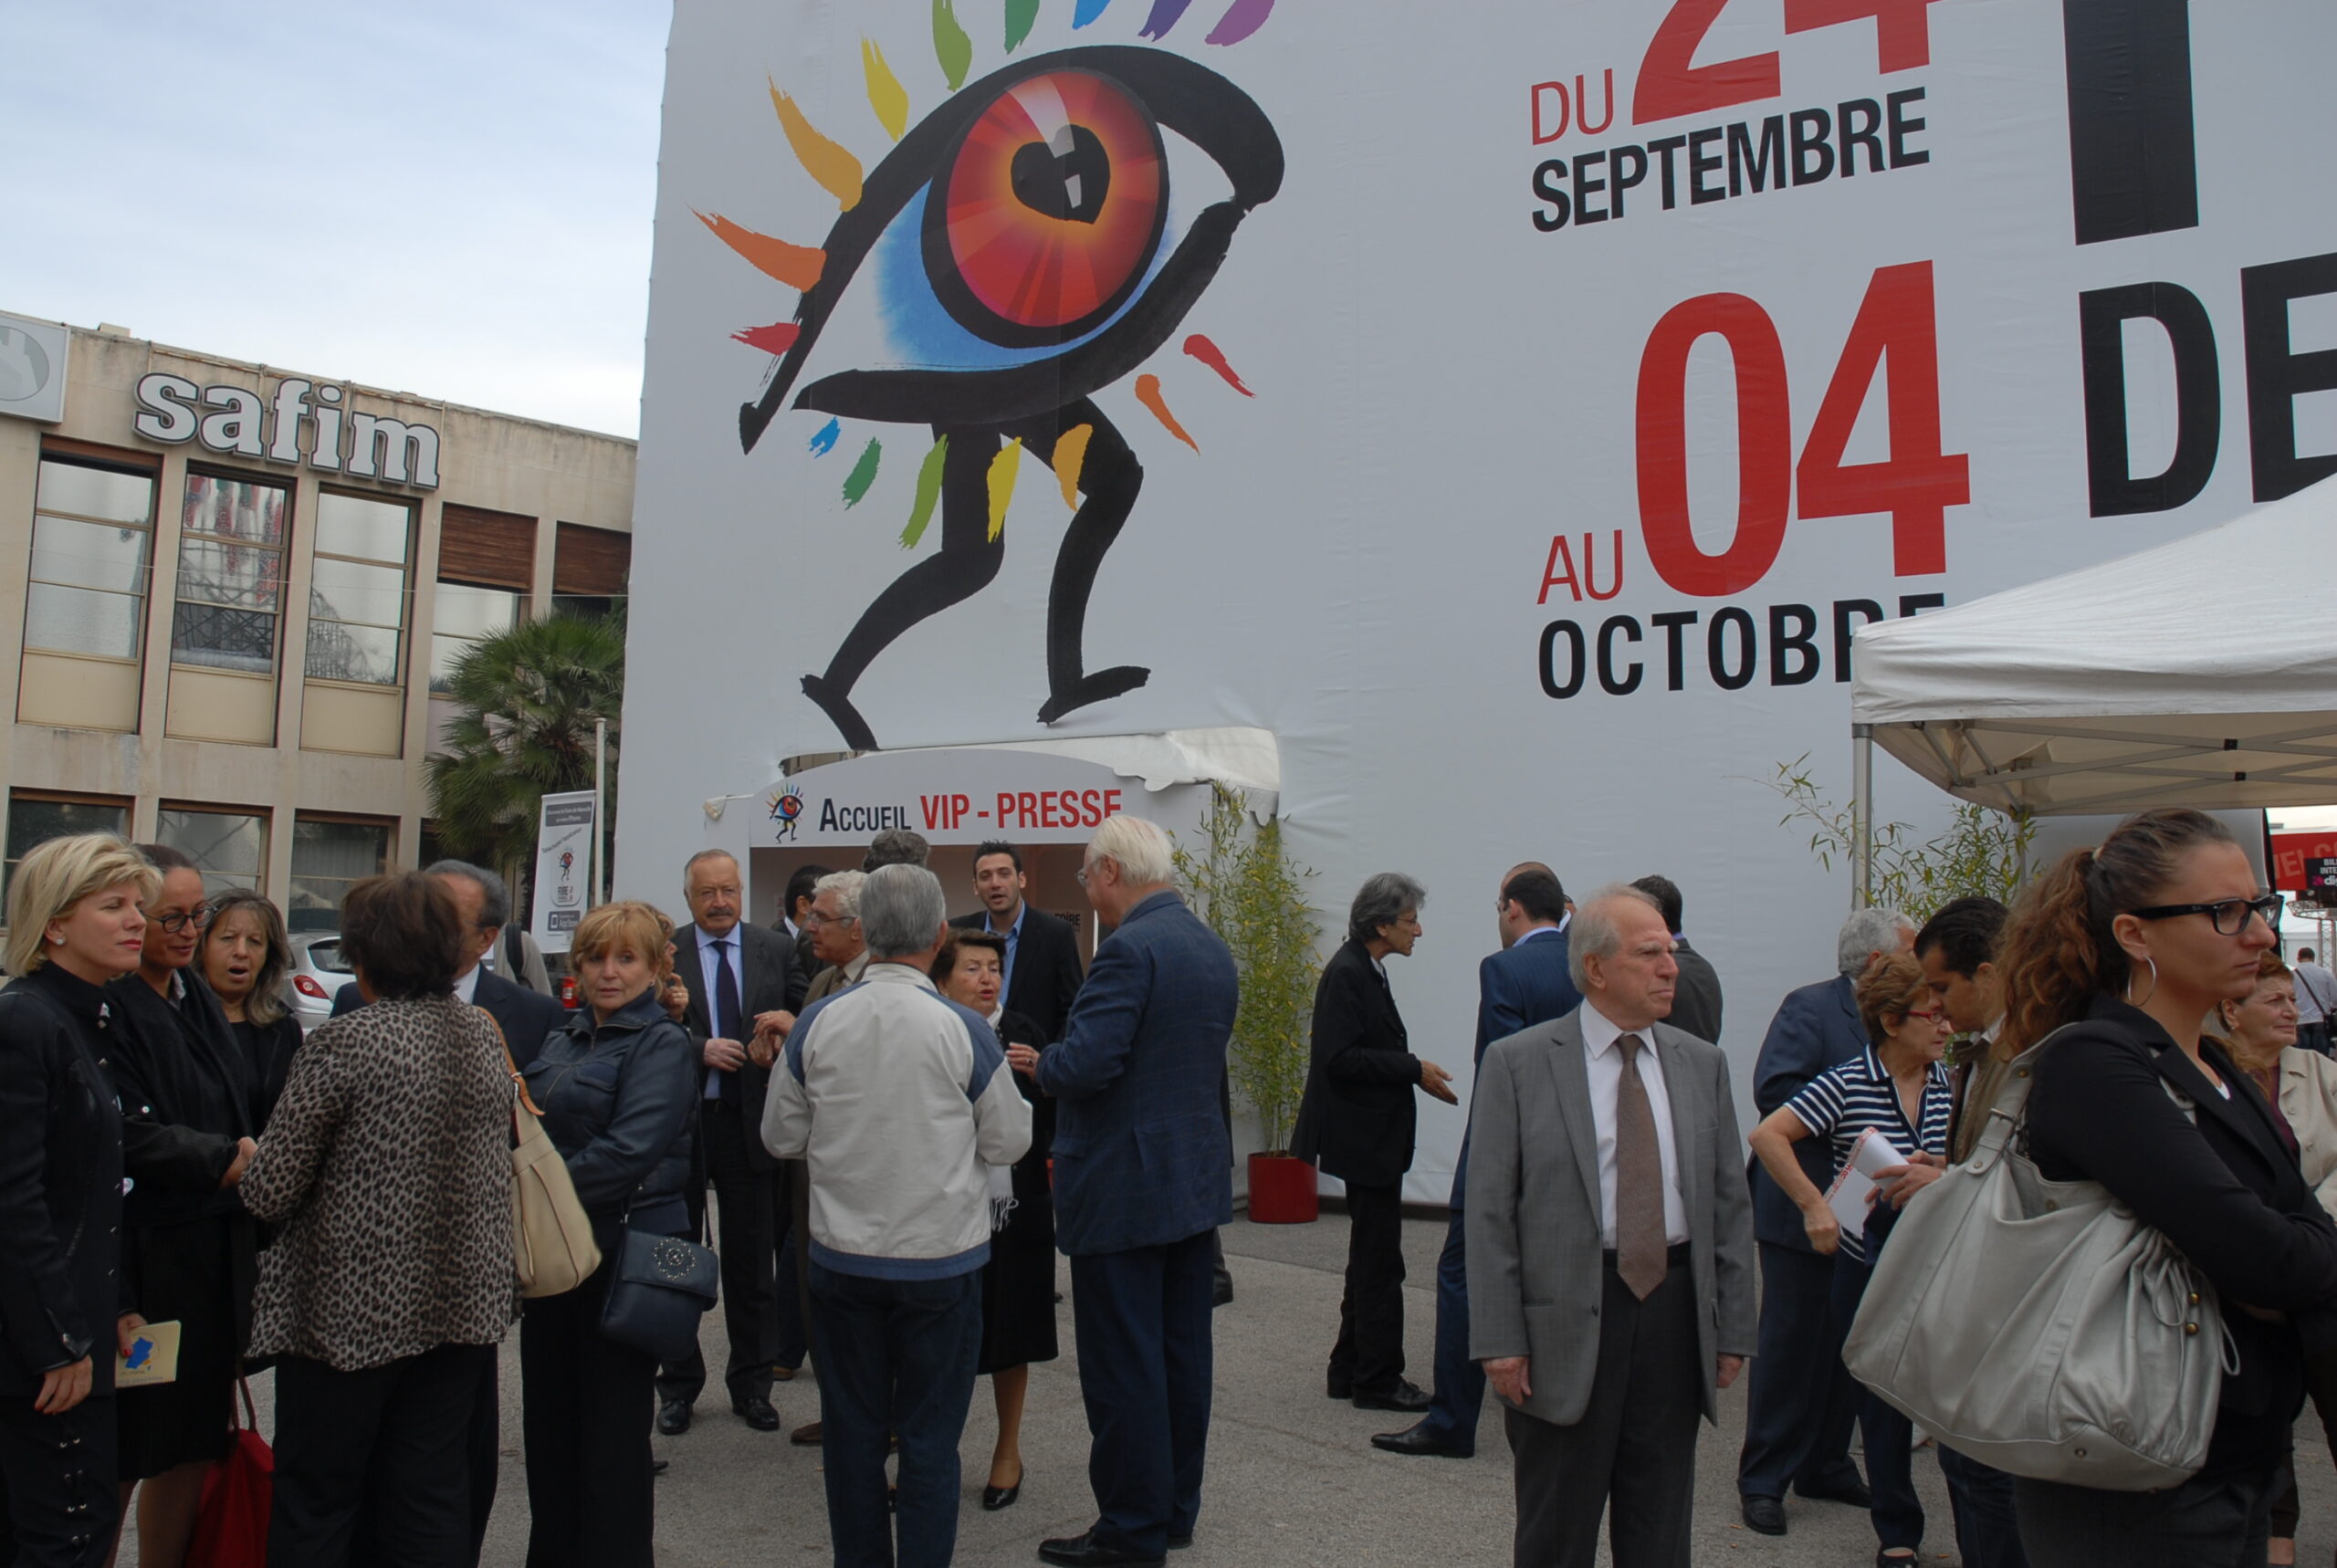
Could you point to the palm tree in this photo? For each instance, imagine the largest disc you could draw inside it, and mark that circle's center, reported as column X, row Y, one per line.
column 525, row 704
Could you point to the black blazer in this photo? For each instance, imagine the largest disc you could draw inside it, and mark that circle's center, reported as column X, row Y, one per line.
column 527, row 1017
column 2225, row 1190
column 766, row 971
column 1696, row 1004
column 185, row 1100
column 1359, row 1114
column 60, row 1182
column 1047, row 975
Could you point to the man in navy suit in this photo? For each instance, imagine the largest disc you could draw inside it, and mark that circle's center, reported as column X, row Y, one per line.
column 1043, row 973
column 1802, row 1401
column 1523, row 985
column 526, row 1017
column 1143, row 1167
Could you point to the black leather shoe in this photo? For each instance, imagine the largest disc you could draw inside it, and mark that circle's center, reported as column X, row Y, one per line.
column 1084, row 1551
column 756, row 1411
column 657, row 1467
column 1421, row 1439
column 1764, row 1515
column 996, row 1497
column 807, row 1436
column 1405, row 1395
column 673, row 1418
column 1338, row 1388
column 1852, row 1493
column 1179, row 1542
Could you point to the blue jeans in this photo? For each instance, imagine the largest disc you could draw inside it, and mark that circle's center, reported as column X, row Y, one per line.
column 1987, row 1535
column 1460, row 1382
column 1889, row 1437
column 895, row 1356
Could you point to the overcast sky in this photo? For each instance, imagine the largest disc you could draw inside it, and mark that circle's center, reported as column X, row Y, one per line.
column 447, row 199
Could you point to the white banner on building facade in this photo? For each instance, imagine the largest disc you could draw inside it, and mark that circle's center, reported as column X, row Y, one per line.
column 1517, row 409
column 563, row 867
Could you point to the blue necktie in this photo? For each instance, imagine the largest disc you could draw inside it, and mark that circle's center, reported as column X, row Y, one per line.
column 726, row 1012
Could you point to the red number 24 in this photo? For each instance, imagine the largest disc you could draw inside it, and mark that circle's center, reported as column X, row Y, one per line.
column 1671, row 84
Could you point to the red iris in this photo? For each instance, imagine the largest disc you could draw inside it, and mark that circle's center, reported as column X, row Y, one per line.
column 1051, row 208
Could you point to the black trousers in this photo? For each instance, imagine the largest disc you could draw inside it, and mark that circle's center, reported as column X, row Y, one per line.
column 587, row 1431
column 1145, row 1356
column 1634, row 1454
column 1369, row 1356
column 58, row 1499
column 483, row 1448
column 1800, row 1401
column 2208, row 1522
column 393, row 1441
column 747, row 1240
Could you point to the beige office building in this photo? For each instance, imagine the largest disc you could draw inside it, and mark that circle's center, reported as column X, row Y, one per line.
column 227, row 589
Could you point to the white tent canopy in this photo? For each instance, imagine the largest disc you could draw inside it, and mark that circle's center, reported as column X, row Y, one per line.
column 2202, row 672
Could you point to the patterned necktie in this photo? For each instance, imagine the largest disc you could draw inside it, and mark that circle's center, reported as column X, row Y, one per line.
column 1639, row 1247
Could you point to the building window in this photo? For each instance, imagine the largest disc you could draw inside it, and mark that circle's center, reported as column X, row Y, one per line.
column 231, row 574
column 328, row 858
column 230, row 847
column 465, row 613
column 589, row 568
column 357, row 592
column 92, row 531
column 33, row 820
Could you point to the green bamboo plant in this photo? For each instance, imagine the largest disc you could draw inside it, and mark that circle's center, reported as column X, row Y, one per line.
column 1980, row 852
column 1253, row 895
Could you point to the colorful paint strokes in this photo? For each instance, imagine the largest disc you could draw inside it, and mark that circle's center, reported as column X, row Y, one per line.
column 826, row 161
column 950, row 45
column 775, row 338
column 1166, row 14
column 1210, row 354
column 1087, row 11
column 863, row 474
column 887, row 96
column 928, row 493
column 1242, row 18
column 1002, row 470
column 1148, row 393
column 1021, row 17
column 1071, row 455
column 796, row 265
column 825, row 441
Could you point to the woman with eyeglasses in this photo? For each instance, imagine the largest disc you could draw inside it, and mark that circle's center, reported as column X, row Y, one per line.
column 1898, row 1089
column 189, row 1252
column 2125, row 950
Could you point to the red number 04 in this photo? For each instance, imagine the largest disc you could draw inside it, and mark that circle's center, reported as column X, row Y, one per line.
column 1896, row 330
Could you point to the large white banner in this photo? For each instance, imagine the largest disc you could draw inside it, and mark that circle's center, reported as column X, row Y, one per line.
column 564, row 832
column 1514, row 407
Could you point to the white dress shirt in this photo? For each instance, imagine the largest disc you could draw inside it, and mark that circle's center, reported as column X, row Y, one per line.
column 466, row 987
column 1599, row 1034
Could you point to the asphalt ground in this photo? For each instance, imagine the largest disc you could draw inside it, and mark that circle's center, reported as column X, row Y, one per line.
column 1293, row 1477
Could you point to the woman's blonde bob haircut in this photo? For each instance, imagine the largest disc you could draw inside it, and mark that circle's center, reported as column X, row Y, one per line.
column 60, row 874
column 627, row 922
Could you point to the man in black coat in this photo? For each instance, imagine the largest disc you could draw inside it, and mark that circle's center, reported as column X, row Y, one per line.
column 1358, row 1118
column 524, row 1017
column 736, row 973
column 1043, row 969
column 1696, row 1004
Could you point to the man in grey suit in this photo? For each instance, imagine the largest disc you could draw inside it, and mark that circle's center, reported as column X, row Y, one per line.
column 1611, row 1249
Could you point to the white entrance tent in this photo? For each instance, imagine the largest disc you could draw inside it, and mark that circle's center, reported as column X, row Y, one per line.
column 2202, row 672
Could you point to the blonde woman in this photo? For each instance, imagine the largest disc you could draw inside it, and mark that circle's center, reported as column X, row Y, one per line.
column 74, row 924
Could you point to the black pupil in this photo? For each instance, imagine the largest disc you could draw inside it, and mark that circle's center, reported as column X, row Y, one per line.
column 1066, row 179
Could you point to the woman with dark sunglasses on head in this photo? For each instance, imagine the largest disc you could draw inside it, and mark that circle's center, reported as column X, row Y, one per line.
column 2131, row 947
column 1897, row 1089
column 189, row 1252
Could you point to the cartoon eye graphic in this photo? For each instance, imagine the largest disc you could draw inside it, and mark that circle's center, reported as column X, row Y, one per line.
column 1027, row 244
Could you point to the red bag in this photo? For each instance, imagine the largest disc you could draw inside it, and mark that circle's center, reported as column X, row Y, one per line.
column 231, row 1529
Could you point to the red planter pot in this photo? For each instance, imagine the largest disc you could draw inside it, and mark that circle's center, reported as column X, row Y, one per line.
column 1282, row 1190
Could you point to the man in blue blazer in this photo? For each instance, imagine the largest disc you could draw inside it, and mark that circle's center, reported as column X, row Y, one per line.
column 1143, row 1165
column 1802, row 1402
column 1523, row 985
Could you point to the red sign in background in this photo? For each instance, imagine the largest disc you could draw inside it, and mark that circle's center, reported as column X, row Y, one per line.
column 2290, row 850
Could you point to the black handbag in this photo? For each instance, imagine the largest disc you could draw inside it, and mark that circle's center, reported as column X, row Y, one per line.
column 660, row 1288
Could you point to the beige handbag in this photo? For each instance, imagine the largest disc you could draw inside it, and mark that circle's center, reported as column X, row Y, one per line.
column 2040, row 1326
column 551, row 1239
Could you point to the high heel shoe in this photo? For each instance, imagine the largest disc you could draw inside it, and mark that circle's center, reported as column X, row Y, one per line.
column 996, row 1497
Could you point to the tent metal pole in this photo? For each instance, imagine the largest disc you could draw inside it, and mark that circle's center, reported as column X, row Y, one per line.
column 1862, row 815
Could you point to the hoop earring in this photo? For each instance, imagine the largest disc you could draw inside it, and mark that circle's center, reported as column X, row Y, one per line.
column 2130, row 983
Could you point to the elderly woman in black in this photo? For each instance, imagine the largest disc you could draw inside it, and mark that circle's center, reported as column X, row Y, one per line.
column 74, row 924
column 386, row 1170
column 2132, row 945
column 190, row 1253
column 246, row 955
column 1359, row 1117
column 618, row 1087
